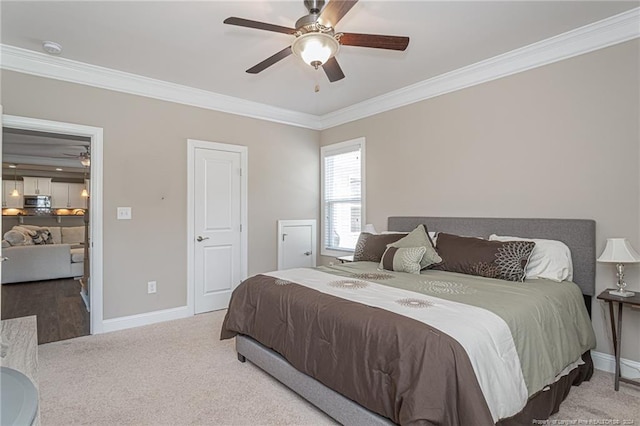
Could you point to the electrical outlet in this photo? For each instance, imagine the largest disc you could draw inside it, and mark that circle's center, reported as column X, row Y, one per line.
column 151, row 287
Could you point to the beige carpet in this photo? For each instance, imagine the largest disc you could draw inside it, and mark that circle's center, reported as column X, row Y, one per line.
column 179, row 373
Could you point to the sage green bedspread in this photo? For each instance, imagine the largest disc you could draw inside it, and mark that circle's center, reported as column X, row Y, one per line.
column 548, row 320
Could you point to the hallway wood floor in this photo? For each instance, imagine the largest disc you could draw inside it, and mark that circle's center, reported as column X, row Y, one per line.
column 57, row 304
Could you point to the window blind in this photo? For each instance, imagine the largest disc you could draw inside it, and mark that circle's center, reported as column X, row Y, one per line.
column 342, row 198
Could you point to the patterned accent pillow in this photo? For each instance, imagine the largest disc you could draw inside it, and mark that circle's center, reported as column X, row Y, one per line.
column 419, row 237
column 42, row 236
column 370, row 247
column 504, row 260
column 403, row 259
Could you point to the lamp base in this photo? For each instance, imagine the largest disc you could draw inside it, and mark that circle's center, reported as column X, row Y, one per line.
column 621, row 293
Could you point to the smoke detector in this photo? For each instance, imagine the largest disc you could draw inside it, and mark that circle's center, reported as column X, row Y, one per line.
column 51, row 47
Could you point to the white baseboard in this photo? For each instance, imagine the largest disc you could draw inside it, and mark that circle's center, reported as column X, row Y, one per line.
column 605, row 362
column 147, row 318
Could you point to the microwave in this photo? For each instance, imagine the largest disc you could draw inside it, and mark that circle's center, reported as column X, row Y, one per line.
column 37, row 201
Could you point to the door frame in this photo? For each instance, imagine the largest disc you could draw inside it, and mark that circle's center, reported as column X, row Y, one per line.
column 299, row 222
column 96, row 202
column 192, row 145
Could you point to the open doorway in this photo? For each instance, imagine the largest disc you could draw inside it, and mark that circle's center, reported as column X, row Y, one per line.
column 45, row 229
column 51, row 226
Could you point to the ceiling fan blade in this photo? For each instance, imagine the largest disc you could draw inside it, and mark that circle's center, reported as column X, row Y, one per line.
column 270, row 61
column 258, row 25
column 334, row 11
column 333, row 70
column 375, row 41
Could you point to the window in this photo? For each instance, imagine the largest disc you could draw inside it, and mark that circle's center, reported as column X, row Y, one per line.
column 342, row 196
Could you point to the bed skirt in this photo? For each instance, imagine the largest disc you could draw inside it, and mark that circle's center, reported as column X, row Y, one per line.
column 346, row 411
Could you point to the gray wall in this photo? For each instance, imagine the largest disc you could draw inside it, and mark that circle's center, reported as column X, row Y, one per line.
column 561, row 141
column 145, row 167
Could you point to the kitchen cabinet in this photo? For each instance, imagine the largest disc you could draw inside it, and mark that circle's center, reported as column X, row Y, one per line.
column 8, row 201
column 37, row 186
column 66, row 195
column 76, row 200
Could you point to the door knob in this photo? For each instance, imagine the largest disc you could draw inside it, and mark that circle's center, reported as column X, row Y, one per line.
column 200, row 238
column 307, row 253
column 3, row 259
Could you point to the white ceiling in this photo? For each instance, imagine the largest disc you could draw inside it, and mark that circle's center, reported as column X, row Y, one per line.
column 187, row 43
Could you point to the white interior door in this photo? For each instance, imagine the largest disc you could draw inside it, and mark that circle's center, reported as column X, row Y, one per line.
column 296, row 244
column 217, row 227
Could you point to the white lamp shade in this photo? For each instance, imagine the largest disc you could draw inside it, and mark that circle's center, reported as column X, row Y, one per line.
column 369, row 228
column 619, row 250
column 315, row 47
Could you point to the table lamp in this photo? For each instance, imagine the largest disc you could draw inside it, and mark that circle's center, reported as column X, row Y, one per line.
column 369, row 228
column 619, row 251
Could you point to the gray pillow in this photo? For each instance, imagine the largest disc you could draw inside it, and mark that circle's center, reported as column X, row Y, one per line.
column 419, row 237
column 370, row 247
column 17, row 238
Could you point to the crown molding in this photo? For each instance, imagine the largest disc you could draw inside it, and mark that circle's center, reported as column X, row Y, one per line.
column 42, row 65
column 607, row 32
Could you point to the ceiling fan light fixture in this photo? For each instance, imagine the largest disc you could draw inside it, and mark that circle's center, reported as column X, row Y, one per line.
column 314, row 48
column 85, row 160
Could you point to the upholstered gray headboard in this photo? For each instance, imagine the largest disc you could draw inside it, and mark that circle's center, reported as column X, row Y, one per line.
column 578, row 234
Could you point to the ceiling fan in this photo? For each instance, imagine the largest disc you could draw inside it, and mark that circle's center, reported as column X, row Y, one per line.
column 316, row 41
column 83, row 157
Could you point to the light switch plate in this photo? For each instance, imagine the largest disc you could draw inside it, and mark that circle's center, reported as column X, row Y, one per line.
column 124, row 213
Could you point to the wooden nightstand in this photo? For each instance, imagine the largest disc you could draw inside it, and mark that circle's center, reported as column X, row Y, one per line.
column 617, row 335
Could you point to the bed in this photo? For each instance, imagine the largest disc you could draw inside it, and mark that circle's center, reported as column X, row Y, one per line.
column 433, row 348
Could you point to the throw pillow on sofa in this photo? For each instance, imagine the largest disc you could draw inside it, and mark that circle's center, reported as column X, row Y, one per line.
column 56, row 234
column 39, row 234
column 72, row 234
column 24, row 235
column 17, row 238
column 43, row 236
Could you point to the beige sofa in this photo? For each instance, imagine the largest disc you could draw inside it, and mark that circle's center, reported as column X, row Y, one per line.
column 62, row 259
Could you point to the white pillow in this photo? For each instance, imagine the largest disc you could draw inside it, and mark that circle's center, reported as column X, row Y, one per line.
column 550, row 259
